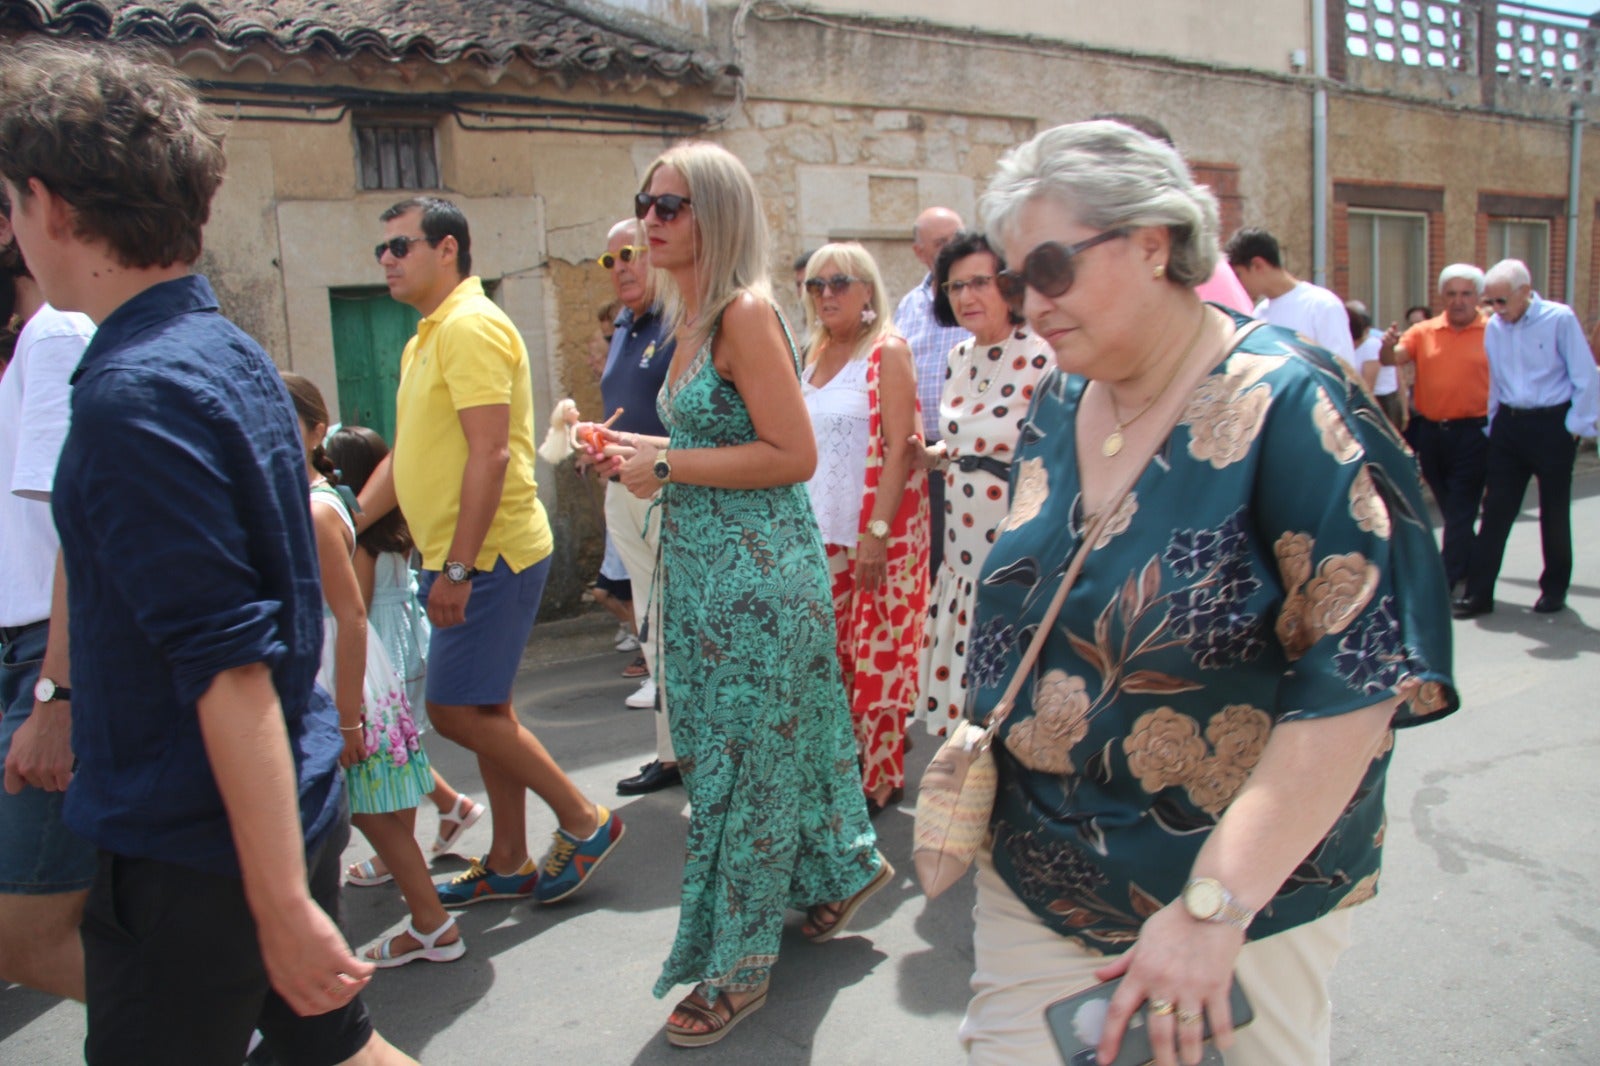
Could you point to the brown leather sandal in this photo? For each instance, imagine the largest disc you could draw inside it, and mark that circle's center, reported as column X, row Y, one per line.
column 712, row 1021
column 827, row 920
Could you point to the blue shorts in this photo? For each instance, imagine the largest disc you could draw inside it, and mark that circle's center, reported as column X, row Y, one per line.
column 39, row 855
column 474, row 664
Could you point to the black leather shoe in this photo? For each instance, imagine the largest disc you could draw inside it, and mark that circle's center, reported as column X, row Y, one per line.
column 1468, row 607
column 652, row 777
column 1548, row 604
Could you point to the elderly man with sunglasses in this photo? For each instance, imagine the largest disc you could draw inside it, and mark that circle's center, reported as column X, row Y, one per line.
column 641, row 352
column 1542, row 401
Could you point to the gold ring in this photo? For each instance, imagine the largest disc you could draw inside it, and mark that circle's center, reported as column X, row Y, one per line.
column 1161, row 1007
column 1189, row 1017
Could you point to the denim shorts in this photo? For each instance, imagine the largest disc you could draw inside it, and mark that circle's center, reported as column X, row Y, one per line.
column 39, row 855
column 474, row 664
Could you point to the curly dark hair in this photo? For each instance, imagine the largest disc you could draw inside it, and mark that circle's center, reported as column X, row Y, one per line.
column 119, row 136
column 963, row 244
column 356, row 451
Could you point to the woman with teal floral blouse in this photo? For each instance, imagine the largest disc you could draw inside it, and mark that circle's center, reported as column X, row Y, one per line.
column 1191, row 782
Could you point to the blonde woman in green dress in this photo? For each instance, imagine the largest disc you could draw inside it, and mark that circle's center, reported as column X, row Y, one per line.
column 759, row 716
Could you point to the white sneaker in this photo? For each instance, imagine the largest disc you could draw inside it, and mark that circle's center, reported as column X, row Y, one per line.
column 628, row 642
column 645, row 698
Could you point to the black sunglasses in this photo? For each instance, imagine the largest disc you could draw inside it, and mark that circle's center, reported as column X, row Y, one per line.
column 836, row 283
column 667, row 205
column 1049, row 269
column 399, row 247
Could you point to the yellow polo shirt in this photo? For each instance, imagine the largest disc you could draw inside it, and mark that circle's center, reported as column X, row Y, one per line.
column 466, row 354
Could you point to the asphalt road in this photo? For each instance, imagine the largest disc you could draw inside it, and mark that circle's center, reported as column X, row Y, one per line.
column 1482, row 947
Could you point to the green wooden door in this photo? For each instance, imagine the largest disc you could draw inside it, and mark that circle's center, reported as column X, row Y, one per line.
column 370, row 330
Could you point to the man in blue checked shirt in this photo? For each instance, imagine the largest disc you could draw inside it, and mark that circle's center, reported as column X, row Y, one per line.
column 930, row 345
column 1544, row 396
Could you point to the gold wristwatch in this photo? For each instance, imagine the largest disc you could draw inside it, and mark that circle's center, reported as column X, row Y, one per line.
column 1207, row 901
column 878, row 528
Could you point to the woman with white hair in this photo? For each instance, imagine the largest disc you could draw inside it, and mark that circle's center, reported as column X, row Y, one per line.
column 871, row 502
column 758, row 715
column 1191, row 779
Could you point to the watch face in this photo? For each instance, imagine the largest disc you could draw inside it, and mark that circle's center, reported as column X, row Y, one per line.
column 45, row 690
column 1203, row 899
column 662, row 470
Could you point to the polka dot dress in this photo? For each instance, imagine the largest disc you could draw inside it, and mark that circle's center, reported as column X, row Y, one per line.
column 986, row 394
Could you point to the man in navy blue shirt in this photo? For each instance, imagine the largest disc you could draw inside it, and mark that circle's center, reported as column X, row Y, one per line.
column 207, row 759
column 1543, row 396
column 636, row 366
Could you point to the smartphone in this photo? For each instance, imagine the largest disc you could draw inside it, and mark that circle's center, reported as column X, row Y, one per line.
column 1078, row 1021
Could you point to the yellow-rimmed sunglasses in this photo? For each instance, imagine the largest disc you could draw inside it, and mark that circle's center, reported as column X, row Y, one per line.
column 625, row 253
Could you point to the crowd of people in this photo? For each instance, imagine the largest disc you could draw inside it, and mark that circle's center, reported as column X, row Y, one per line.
column 818, row 533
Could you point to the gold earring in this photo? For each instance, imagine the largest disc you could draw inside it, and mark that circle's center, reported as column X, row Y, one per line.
column 1160, row 271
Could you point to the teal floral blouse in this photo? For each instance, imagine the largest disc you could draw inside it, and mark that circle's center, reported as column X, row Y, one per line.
column 1274, row 563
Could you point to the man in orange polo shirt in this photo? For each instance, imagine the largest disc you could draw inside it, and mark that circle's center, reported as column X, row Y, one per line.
column 1451, row 398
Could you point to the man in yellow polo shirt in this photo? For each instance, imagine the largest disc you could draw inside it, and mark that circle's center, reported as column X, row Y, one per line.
column 462, row 472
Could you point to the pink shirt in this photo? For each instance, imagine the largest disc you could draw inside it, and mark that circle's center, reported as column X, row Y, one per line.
column 1223, row 288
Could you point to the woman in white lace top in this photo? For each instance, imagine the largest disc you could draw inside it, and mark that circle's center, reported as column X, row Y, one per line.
column 871, row 501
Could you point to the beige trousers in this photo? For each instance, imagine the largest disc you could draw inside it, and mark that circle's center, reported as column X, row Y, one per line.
column 1021, row 967
column 636, row 542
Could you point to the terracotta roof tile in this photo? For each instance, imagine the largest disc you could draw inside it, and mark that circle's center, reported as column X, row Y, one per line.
column 549, row 35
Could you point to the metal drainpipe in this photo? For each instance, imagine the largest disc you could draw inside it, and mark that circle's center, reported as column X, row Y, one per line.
column 1319, row 143
column 1574, row 187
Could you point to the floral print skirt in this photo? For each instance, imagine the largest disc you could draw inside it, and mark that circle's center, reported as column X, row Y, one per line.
column 395, row 774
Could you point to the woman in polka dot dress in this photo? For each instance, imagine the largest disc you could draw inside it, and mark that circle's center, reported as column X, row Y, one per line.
column 989, row 381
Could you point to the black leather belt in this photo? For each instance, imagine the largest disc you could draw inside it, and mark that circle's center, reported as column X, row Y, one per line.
column 11, row 633
column 1519, row 412
column 987, row 463
column 1445, row 423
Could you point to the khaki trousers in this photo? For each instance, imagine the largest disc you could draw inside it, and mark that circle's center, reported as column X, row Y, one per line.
column 636, row 541
column 1021, row 967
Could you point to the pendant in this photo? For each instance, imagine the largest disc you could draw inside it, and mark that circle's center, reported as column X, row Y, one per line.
column 1112, row 444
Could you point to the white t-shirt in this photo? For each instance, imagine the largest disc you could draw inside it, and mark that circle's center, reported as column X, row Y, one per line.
column 1317, row 313
column 35, row 409
column 840, row 418
column 1367, row 352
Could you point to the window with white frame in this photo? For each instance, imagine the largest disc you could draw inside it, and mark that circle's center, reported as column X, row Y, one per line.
column 1527, row 239
column 1388, row 261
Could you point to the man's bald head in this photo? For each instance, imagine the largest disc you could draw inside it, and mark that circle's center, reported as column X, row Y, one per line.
column 932, row 230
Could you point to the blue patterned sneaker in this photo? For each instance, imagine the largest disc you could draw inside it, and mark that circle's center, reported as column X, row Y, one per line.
column 570, row 861
column 479, row 883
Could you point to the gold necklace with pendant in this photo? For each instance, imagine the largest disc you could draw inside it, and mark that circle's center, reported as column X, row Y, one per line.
column 1114, row 440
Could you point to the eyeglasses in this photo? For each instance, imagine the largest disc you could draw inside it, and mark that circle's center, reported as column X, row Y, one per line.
column 836, row 284
column 399, row 247
column 977, row 283
column 1049, row 269
column 626, row 253
column 1496, row 301
column 667, row 205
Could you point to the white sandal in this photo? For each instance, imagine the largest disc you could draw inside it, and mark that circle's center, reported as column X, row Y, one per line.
column 381, row 955
column 456, row 822
column 364, row 874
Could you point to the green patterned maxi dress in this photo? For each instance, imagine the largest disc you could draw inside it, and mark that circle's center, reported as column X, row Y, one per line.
column 758, row 713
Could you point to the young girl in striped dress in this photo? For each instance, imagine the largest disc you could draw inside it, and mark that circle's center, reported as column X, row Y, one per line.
column 386, row 770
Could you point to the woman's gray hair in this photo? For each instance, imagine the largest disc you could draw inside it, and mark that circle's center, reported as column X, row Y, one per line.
column 1109, row 175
